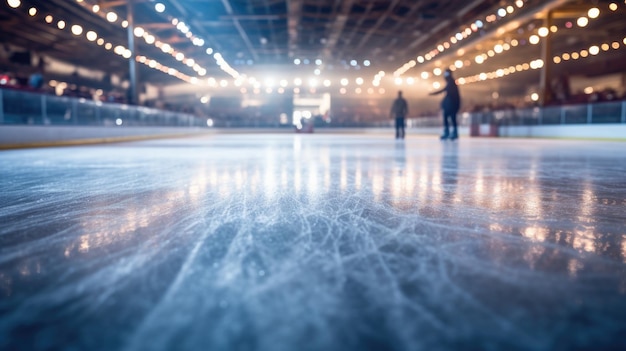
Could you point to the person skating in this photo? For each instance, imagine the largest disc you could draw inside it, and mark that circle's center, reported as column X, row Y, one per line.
column 450, row 106
column 399, row 110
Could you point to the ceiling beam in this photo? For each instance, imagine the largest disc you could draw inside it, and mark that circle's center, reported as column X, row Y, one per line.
column 378, row 23
column 242, row 33
column 362, row 18
column 267, row 17
column 294, row 11
column 336, row 29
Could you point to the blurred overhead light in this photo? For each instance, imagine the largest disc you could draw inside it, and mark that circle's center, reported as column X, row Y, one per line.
column 111, row 17
column 159, row 7
column 32, row 11
column 582, row 21
column 593, row 12
column 91, row 35
column 14, row 3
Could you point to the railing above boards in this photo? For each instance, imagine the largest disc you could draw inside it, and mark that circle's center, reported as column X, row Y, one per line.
column 593, row 113
column 30, row 108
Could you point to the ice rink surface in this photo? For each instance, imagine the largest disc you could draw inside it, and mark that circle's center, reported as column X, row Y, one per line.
column 314, row 242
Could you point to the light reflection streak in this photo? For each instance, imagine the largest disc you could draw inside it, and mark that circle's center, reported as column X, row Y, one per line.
column 326, row 177
column 358, row 176
column 378, row 184
column 312, row 183
column 584, row 240
column 496, row 195
column 270, row 185
column 297, row 178
column 343, row 175
column 536, row 234
column 587, row 203
column 407, row 182
column 573, row 266
column 284, row 181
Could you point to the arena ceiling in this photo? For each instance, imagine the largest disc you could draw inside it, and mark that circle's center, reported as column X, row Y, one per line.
column 340, row 38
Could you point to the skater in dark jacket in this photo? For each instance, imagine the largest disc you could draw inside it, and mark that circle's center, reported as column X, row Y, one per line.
column 399, row 110
column 450, row 106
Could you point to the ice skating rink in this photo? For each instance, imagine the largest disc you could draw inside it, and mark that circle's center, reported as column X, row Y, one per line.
column 314, row 242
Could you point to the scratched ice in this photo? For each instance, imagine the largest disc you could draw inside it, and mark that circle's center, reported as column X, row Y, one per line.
column 314, row 242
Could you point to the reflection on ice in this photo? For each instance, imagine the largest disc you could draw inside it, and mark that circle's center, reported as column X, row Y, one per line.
column 312, row 242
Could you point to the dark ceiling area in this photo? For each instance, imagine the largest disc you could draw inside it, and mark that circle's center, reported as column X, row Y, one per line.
column 337, row 37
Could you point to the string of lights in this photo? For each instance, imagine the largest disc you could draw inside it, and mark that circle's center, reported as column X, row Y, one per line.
column 538, row 63
column 92, row 36
column 184, row 29
column 464, row 33
column 149, row 38
column 534, row 38
column 503, row 46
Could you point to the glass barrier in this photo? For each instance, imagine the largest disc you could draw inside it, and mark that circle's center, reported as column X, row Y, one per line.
column 594, row 113
column 24, row 107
